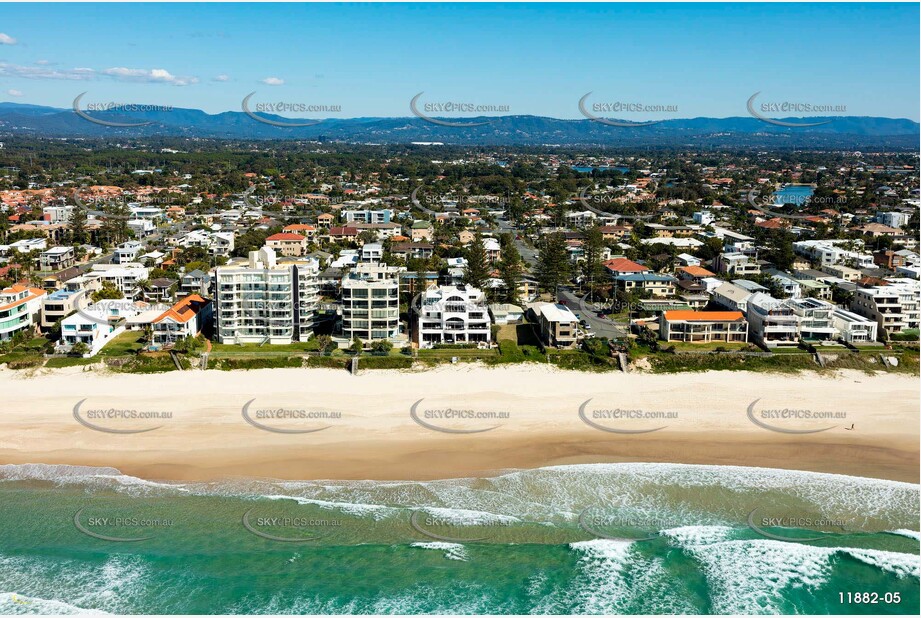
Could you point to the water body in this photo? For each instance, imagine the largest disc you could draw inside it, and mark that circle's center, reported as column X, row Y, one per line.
column 793, row 194
column 680, row 542
column 584, row 169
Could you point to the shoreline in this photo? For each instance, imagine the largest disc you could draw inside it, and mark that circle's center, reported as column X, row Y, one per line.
column 376, row 438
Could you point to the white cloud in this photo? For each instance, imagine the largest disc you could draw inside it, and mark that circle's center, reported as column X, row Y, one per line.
column 149, row 75
column 44, row 62
column 14, row 93
column 154, row 76
column 273, row 81
column 221, row 78
column 6, row 39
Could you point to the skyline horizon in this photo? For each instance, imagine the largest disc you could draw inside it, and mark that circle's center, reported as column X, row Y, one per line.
column 660, row 61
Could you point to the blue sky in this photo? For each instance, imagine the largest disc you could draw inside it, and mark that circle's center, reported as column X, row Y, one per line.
column 371, row 59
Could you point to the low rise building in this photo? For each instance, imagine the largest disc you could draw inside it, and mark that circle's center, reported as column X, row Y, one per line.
column 187, row 318
column 57, row 258
column 558, row 325
column 703, row 326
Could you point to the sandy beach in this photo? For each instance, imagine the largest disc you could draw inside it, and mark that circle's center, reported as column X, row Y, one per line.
column 454, row 421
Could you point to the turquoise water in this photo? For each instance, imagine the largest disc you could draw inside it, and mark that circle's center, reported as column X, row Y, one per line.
column 793, row 194
column 592, row 539
column 584, row 169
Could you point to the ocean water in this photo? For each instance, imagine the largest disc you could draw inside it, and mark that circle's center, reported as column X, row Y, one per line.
column 581, row 539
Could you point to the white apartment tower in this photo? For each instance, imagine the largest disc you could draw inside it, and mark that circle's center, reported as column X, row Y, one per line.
column 264, row 300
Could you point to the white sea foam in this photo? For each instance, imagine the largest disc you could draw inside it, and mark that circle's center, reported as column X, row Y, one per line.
column 912, row 534
column 466, row 517
column 14, row 604
column 746, row 577
column 902, row 565
column 452, row 551
column 92, row 477
column 698, row 535
column 376, row 511
column 616, row 578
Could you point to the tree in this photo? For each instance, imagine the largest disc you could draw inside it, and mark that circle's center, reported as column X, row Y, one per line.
column 78, row 234
column 510, row 269
column 325, row 344
column 357, row 346
column 553, row 265
column 108, row 291
column 592, row 267
column 381, row 347
column 477, row 271
column 79, row 349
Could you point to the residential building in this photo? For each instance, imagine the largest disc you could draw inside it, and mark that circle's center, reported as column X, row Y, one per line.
column 737, row 264
column 372, row 252
column 828, row 252
column 703, row 326
column 124, row 277
column 97, row 324
column 815, row 319
column 558, row 325
column 854, row 328
column 371, row 304
column 20, row 306
column 771, row 322
column 264, row 299
column 421, row 231
column 195, row 282
column 893, row 307
column 187, row 318
column 304, row 229
column 57, row 258
column 366, row 215
column 287, row 244
column 652, row 283
column 58, row 305
column 450, row 314
column 623, row 266
column 127, row 252
column 731, row 296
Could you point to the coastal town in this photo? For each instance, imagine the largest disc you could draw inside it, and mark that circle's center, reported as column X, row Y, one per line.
column 316, row 256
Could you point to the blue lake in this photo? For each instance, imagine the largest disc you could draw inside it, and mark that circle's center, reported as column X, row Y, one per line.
column 585, row 169
column 793, row 194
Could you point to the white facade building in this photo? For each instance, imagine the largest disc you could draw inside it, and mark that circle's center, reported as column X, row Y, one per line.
column 451, row 314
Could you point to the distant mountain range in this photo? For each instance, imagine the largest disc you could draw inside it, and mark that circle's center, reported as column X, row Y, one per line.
column 841, row 132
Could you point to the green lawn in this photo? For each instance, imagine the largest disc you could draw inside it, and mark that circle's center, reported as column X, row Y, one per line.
column 128, row 343
column 681, row 346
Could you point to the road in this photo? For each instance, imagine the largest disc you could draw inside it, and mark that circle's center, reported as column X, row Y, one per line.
column 602, row 327
column 528, row 254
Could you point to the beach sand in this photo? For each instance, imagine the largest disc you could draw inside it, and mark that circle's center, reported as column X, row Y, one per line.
column 536, row 421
